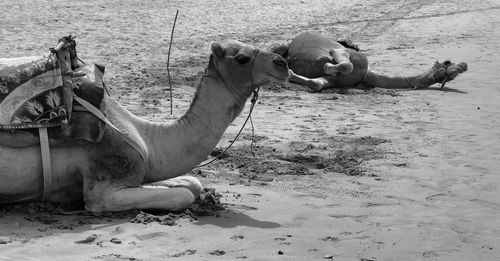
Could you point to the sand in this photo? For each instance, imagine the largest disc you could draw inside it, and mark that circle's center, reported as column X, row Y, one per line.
column 337, row 175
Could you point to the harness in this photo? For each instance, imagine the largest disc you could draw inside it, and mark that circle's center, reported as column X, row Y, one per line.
column 446, row 78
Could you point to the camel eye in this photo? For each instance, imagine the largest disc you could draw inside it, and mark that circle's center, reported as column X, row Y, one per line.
column 242, row 59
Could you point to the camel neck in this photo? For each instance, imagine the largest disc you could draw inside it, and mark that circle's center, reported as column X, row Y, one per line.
column 179, row 147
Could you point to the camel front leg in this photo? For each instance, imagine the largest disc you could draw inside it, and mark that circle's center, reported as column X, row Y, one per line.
column 343, row 66
column 175, row 194
column 316, row 84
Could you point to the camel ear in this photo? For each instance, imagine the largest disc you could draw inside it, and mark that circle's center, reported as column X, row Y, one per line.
column 216, row 49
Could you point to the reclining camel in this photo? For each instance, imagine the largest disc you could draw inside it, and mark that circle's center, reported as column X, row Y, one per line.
column 114, row 176
column 318, row 62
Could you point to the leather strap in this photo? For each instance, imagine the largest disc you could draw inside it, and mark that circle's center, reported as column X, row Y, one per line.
column 46, row 164
column 92, row 109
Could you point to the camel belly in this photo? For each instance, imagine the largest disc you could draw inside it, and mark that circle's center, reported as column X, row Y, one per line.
column 304, row 52
column 21, row 175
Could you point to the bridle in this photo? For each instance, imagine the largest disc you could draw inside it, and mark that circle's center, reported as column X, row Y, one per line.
column 253, row 101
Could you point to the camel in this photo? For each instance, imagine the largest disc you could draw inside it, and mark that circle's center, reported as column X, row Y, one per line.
column 113, row 176
column 318, row 62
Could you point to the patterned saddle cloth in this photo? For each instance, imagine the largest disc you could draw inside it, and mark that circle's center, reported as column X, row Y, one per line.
column 32, row 93
column 38, row 92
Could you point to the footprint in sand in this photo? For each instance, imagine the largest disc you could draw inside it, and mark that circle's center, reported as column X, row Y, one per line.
column 150, row 236
column 356, row 218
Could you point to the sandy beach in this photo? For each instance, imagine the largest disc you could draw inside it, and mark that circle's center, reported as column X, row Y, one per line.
column 368, row 175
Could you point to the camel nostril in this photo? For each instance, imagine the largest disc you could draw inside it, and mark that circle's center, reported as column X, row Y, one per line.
column 280, row 61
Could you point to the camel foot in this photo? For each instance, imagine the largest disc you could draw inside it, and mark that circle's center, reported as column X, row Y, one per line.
column 343, row 68
column 317, row 84
column 189, row 182
column 172, row 194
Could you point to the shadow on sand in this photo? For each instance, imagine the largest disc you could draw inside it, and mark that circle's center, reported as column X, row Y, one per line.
column 232, row 217
column 445, row 89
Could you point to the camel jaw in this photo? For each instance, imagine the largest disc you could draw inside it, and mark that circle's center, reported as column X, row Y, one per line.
column 278, row 75
column 277, row 78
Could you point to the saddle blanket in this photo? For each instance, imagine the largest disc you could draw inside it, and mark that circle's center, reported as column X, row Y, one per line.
column 31, row 93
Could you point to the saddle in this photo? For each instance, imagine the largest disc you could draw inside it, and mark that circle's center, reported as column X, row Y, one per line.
column 39, row 92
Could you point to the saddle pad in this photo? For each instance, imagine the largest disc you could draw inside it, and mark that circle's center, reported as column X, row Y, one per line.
column 31, row 93
column 117, row 116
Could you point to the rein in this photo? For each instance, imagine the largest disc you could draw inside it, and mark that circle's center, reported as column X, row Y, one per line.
column 255, row 97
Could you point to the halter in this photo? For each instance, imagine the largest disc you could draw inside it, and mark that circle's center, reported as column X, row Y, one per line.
column 255, row 97
column 445, row 77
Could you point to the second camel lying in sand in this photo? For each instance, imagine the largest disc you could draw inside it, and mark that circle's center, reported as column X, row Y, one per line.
column 318, row 62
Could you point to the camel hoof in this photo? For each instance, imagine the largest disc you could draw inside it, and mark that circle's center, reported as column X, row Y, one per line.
column 316, row 87
column 345, row 68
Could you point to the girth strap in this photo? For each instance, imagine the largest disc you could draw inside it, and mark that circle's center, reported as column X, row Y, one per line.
column 46, row 164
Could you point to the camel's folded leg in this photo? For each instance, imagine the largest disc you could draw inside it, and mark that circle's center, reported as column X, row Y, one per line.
column 181, row 181
column 343, row 66
column 174, row 194
column 317, row 84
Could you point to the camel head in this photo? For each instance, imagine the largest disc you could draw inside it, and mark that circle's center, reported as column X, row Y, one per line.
column 443, row 72
column 449, row 70
column 244, row 67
